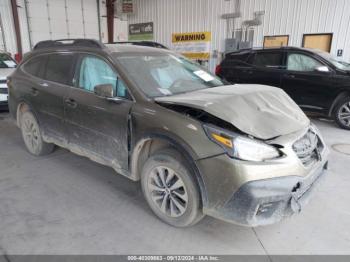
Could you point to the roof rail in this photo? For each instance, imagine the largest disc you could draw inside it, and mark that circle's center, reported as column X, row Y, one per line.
column 68, row 43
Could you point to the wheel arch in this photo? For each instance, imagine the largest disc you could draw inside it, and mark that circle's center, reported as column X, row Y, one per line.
column 153, row 142
column 340, row 96
column 22, row 107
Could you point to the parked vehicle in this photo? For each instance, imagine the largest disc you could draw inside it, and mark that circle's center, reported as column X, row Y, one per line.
column 315, row 80
column 7, row 66
column 142, row 43
column 245, row 154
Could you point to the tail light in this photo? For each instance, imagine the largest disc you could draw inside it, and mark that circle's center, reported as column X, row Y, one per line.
column 218, row 70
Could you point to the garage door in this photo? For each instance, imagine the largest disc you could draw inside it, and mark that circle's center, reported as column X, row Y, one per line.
column 276, row 41
column 57, row 19
column 318, row 41
column 2, row 37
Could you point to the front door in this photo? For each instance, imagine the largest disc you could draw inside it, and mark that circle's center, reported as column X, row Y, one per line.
column 98, row 127
column 308, row 81
column 266, row 69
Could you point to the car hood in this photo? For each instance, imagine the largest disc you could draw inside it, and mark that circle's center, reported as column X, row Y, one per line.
column 5, row 72
column 261, row 111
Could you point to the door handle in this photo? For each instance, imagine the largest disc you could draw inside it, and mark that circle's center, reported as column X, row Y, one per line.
column 34, row 91
column 43, row 84
column 291, row 76
column 71, row 103
column 250, row 72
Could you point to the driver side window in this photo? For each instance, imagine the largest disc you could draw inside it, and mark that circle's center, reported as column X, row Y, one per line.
column 95, row 71
column 302, row 63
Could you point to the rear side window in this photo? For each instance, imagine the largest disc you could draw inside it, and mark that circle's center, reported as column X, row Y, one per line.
column 268, row 59
column 58, row 68
column 235, row 59
column 35, row 65
column 238, row 57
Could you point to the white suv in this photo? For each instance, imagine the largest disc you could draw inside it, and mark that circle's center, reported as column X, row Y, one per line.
column 7, row 66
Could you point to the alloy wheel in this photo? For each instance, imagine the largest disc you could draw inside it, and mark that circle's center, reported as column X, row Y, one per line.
column 168, row 191
column 344, row 114
column 31, row 135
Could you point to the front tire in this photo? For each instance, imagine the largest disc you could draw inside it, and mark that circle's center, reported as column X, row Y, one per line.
column 170, row 189
column 32, row 137
column 342, row 113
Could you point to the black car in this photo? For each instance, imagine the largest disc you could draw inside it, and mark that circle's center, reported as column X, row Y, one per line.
column 317, row 81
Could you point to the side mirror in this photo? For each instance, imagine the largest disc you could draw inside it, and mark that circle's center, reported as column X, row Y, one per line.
column 323, row 69
column 106, row 90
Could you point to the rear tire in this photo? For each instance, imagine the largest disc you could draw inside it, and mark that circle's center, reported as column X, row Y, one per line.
column 32, row 137
column 342, row 113
column 170, row 189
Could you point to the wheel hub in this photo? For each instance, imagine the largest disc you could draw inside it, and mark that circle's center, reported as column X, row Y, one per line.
column 31, row 135
column 168, row 191
column 344, row 114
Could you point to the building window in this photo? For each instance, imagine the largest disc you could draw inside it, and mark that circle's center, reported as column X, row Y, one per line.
column 276, row 41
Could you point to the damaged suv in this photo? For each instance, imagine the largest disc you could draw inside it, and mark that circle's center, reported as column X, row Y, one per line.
column 245, row 154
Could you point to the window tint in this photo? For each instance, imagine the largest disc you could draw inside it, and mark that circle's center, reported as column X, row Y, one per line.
column 239, row 57
column 94, row 71
column 34, row 65
column 300, row 62
column 58, row 68
column 268, row 59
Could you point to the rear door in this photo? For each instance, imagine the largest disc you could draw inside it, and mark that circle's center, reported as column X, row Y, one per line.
column 56, row 81
column 98, row 127
column 267, row 68
column 233, row 66
column 309, row 87
column 51, row 79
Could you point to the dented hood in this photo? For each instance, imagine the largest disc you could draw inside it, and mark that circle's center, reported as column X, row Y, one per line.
column 261, row 111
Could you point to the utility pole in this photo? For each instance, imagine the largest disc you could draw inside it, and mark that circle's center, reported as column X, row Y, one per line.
column 110, row 20
column 17, row 29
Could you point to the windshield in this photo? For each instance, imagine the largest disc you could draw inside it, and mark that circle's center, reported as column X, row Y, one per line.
column 165, row 74
column 6, row 61
column 335, row 61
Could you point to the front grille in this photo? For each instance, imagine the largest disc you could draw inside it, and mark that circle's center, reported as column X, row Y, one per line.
column 308, row 148
column 3, row 91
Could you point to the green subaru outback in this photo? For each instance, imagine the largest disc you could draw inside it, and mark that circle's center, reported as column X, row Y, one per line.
column 245, row 154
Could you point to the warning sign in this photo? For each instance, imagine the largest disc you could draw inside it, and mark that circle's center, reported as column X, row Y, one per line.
column 195, row 45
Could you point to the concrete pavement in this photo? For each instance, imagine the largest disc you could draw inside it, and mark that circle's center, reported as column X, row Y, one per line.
column 66, row 204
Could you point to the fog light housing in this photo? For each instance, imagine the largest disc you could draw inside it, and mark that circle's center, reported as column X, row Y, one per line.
column 266, row 210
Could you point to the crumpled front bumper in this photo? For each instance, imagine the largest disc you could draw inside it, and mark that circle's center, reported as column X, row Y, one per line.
column 256, row 194
column 265, row 202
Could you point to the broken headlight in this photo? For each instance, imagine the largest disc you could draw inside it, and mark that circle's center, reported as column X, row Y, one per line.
column 241, row 147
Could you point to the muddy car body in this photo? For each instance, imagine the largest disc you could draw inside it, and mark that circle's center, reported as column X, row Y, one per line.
column 244, row 154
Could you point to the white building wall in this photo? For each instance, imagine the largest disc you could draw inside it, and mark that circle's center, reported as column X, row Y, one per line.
column 49, row 19
column 292, row 17
column 120, row 25
column 57, row 19
column 8, row 26
column 23, row 24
